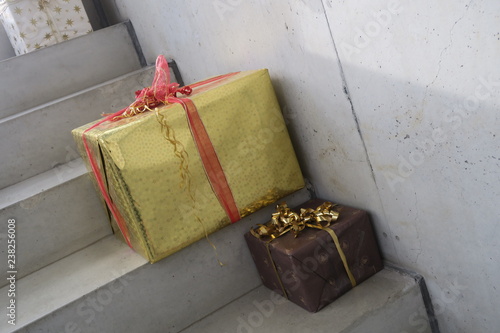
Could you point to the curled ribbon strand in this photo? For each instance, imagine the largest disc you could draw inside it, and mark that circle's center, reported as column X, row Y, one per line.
column 163, row 92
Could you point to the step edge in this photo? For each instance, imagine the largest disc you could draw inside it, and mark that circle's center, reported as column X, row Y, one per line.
column 14, row 62
column 394, row 298
column 75, row 94
column 424, row 292
column 34, row 282
column 128, row 258
column 33, row 53
column 80, row 247
column 348, row 325
column 223, row 306
column 57, row 176
column 136, row 43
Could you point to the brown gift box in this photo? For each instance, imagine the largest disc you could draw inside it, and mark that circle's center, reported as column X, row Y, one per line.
column 311, row 272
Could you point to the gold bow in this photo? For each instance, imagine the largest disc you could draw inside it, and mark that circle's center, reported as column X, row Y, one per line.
column 285, row 220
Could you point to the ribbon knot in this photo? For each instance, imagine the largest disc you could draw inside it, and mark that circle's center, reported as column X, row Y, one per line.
column 162, row 91
column 285, row 220
column 321, row 217
column 186, row 90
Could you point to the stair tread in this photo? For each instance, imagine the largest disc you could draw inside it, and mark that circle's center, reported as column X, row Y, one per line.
column 78, row 93
column 48, row 291
column 178, row 290
column 42, row 182
column 37, row 139
column 276, row 314
column 57, row 213
column 80, row 63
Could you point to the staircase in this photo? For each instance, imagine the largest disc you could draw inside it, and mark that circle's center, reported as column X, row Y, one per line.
column 73, row 275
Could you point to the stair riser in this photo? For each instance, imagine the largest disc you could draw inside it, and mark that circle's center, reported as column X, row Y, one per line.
column 53, row 224
column 387, row 302
column 62, row 69
column 172, row 293
column 37, row 141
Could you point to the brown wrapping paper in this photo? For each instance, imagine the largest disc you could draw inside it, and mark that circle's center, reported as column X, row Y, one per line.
column 308, row 269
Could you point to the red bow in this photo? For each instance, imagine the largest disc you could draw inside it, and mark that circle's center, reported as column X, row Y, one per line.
column 162, row 91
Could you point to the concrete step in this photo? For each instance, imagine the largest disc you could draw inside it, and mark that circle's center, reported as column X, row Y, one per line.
column 106, row 287
column 65, row 68
column 388, row 302
column 57, row 213
column 39, row 139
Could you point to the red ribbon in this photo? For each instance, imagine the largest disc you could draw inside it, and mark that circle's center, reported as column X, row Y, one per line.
column 162, row 91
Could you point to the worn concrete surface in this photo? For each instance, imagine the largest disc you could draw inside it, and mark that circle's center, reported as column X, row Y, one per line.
column 43, row 75
column 387, row 302
column 40, row 139
column 56, row 214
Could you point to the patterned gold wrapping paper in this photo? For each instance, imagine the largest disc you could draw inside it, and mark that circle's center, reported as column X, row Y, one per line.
column 33, row 24
column 246, row 127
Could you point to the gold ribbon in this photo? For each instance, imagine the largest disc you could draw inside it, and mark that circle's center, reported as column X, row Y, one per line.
column 285, row 220
column 181, row 153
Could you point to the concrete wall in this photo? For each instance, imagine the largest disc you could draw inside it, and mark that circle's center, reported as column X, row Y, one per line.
column 392, row 106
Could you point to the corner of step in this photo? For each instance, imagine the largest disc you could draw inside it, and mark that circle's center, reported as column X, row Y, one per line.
column 41, row 182
column 69, row 279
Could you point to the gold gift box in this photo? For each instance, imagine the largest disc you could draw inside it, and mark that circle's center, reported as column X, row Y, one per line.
column 142, row 173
